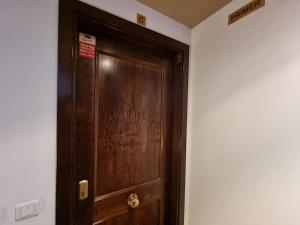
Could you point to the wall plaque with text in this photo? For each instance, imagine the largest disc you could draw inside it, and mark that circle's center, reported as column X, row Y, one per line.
column 245, row 10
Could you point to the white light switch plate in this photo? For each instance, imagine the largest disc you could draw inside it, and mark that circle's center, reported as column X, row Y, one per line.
column 28, row 209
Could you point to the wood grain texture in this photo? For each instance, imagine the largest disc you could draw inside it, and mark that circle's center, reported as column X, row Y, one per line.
column 131, row 147
column 76, row 135
column 84, row 132
column 146, row 216
column 65, row 177
column 118, row 220
column 111, row 205
column 129, row 124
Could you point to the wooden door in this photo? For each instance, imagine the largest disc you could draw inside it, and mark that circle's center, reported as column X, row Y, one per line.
column 121, row 122
column 124, row 117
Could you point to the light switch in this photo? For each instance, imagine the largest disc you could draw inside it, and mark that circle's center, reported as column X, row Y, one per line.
column 27, row 210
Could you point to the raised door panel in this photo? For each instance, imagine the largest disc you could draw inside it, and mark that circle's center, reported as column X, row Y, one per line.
column 129, row 149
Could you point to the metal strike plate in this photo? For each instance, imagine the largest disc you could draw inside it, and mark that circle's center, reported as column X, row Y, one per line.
column 83, row 189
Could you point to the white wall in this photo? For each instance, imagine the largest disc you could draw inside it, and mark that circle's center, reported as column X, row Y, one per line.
column 244, row 166
column 156, row 21
column 28, row 61
column 28, row 74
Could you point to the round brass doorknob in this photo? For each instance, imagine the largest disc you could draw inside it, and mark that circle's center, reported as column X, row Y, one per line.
column 133, row 201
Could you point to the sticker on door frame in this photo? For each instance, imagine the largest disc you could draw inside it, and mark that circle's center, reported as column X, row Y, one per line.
column 87, row 46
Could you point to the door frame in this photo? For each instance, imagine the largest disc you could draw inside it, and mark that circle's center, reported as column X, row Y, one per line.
column 66, row 186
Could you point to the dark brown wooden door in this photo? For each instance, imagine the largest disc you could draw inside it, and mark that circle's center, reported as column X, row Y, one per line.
column 123, row 130
column 129, row 157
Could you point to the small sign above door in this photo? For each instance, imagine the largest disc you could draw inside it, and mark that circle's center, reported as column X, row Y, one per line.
column 245, row 10
column 87, row 46
column 141, row 19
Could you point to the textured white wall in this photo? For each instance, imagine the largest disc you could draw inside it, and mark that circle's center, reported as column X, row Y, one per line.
column 244, row 162
column 28, row 75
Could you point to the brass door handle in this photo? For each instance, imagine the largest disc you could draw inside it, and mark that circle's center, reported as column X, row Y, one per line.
column 133, row 201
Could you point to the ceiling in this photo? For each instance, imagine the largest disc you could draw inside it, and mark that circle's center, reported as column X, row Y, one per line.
column 188, row 12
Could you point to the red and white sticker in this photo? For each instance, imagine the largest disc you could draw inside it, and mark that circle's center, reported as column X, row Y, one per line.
column 87, row 46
